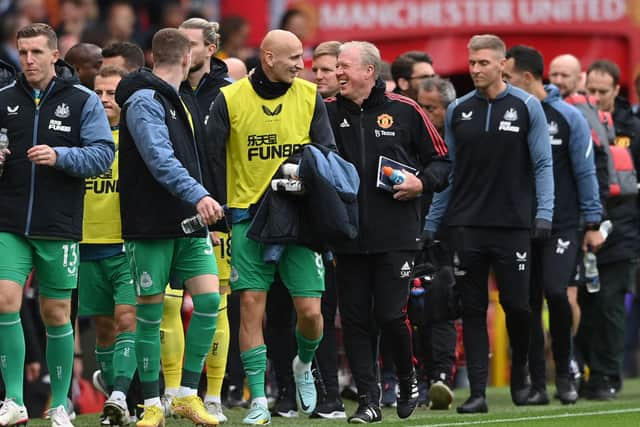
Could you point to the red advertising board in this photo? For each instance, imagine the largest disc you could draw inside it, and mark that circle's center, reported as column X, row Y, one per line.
column 589, row 29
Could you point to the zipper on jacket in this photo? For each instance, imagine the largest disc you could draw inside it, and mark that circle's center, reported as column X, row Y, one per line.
column 364, row 169
column 32, row 184
column 488, row 119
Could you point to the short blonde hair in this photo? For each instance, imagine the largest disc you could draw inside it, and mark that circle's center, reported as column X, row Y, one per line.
column 210, row 30
column 487, row 41
column 327, row 48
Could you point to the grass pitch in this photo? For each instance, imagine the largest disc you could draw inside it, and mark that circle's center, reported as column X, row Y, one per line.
column 622, row 412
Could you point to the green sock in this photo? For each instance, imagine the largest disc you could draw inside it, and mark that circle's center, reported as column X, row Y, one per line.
column 124, row 361
column 148, row 348
column 60, row 362
column 104, row 357
column 12, row 351
column 255, row 365
column 306, row 347
column 202, row 327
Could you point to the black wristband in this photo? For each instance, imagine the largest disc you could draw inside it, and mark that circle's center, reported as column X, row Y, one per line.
column 592, row 226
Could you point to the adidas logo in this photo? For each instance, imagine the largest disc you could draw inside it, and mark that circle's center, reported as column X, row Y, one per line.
column 405, row 270
column 345, row 124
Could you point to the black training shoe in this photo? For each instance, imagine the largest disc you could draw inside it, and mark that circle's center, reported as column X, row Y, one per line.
column 235, row 399
column 441, row 395
column 329, row 409
column 473, row 405
column 519, row 386
column 366, row 413
column 408, row 395
column 538, row 397
column 286, row 405
column 566, row 390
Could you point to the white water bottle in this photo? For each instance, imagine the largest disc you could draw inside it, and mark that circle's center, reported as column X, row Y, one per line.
column 605, row 228
column 591, row 274
column 4, row 144
column 192, row 224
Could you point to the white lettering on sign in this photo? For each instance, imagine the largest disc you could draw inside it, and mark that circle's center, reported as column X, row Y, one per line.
column 407, row 15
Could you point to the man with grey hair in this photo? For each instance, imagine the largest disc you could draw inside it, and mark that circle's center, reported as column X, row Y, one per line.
column 439, row 336
column 499, row 144
column 373, row 270
column 434, row 96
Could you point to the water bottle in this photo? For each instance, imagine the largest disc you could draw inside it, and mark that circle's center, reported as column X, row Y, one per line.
column 591, row 275
column 192, row 224
column 395, row 176
column 605, row 228
column 4, row 144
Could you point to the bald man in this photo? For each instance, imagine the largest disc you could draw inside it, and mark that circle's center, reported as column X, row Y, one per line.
column 566, row 73
column 86, row 59
column 237, row 68
column 259, row 121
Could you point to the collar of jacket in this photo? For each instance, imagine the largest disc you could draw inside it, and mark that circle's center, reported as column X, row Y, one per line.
column 264, row 87
column 376, row 97
column 624, row 120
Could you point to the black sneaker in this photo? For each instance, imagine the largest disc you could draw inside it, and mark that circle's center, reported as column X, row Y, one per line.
column 235, row 398
column 329, row 409
column 408, row 395
column 566, row 390
column 441, row 395
column 286, row 405
column 366, row 413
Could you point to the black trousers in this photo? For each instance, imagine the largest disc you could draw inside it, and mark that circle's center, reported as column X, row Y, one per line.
column 280, row 338
column 553, row 263
column 507, row 252
column 373, row 290
column 601, row 334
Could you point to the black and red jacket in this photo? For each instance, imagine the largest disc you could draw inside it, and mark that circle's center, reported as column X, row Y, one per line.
column 394, row 126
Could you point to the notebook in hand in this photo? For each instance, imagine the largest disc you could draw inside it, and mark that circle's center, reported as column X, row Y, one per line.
column 384, row 182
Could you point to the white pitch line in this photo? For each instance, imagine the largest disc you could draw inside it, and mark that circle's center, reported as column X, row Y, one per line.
column 532, row 418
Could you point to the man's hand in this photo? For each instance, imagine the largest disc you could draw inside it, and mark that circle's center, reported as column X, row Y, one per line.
column 542, row 229
column 210, row 211
column 3, row 154
column 42, row 155
column 592, row 239
column 409, row 189
column 214, row 238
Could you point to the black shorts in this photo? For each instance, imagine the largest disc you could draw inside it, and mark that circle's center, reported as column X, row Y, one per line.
column 554, row 264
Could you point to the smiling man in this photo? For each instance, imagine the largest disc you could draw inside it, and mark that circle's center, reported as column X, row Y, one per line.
column 499, row 146
column 260, row 121
column 373, row 270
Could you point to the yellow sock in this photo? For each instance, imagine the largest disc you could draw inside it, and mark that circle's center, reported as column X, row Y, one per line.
column 172, row 338
column 217, row 357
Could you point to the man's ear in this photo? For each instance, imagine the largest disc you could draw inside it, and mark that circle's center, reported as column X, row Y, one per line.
column 268, row 58
column 211, row 49
column 616, row 91
column 403, row 84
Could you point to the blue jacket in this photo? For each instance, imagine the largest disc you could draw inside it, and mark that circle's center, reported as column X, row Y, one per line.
column 501, row 160
column 44, row 201
column 574, row 171
column 326, row 214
